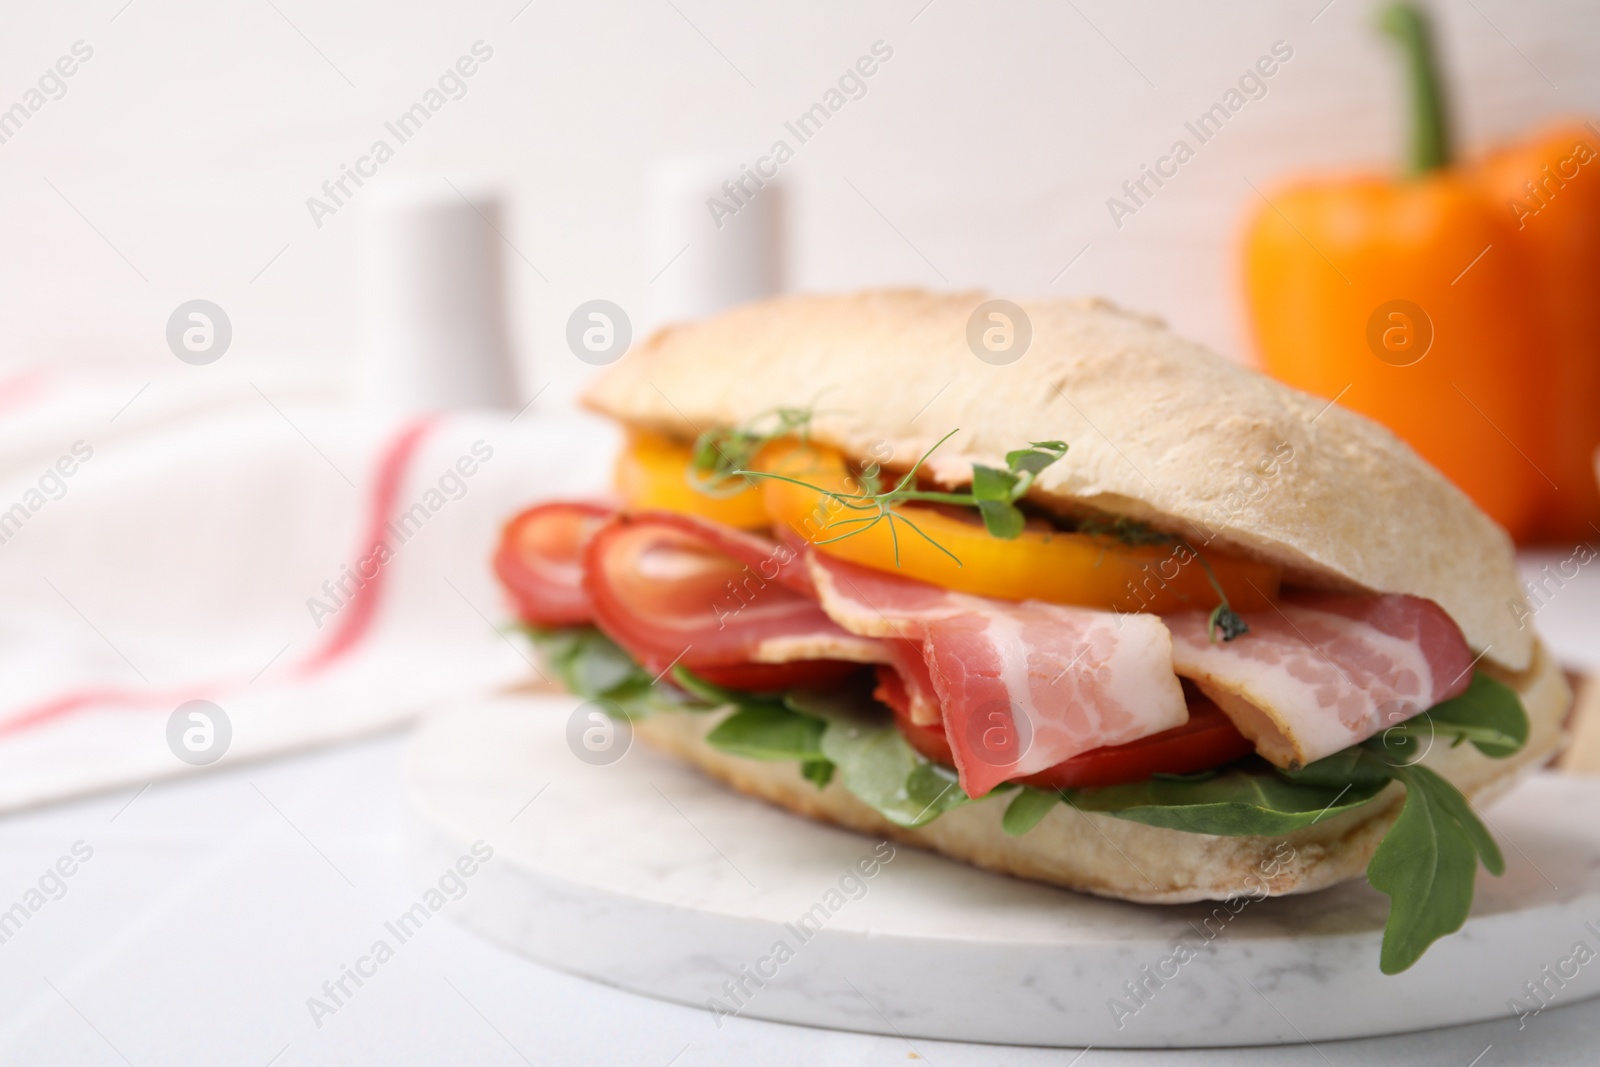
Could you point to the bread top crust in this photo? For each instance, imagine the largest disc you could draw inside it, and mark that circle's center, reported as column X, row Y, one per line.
column 1159, row 429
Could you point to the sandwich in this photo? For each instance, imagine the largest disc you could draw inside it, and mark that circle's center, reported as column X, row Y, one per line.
column 1117, row 615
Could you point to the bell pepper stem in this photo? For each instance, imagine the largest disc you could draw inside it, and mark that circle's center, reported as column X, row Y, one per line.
column 1430, row 132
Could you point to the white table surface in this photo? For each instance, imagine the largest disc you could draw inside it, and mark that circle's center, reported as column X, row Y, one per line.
column 212, row 908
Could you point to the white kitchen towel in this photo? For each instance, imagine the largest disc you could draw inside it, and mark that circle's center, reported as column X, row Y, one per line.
column 314, row 571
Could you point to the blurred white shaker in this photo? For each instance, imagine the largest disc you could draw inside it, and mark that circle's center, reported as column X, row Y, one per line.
column 715, row 237
column 434, row 332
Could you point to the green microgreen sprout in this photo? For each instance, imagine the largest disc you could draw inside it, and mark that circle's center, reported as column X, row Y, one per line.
column 723, row 454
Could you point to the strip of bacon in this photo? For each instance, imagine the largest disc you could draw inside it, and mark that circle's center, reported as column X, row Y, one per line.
column 540, row 561
column 673, row 589
column 915, row 683
column 1023, row 686
column 1321, row 672
column 1209, row 739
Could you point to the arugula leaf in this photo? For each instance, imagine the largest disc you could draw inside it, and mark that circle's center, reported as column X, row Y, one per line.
column 818, row 772
column 586, row 660
column 1448, row 799
column 1488, row 714
column 1426, row 864
column 884, row 771
column 1241, row 801
column 1355, row 765
column 841, row 732
column 766, row 730
column 1027, row 809
column 589, row 664
column 1416, row 736
column 769, row 732
column 930, row 790
column 874, row 761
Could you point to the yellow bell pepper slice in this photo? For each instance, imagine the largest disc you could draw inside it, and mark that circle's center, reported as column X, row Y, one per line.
column 1040, row 564
column 653, row 472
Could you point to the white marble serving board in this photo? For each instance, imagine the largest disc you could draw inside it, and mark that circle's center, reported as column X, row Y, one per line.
column 647, row 875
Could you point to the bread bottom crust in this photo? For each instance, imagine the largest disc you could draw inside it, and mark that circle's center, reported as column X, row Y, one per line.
column 1112, row 857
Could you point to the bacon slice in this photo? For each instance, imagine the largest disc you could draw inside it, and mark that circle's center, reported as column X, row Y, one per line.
column 1209, row 739
column 875, row 604
column 673, row 589
column 1322, row 672
column 540, row 561
column 915, row 686
column 1023, row 686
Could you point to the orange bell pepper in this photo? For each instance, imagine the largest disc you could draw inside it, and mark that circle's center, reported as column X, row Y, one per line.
column 1550, row 187
column 1418, row 302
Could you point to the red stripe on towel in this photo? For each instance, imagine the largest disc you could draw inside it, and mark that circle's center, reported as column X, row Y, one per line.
column 352, row 628
column 354, row 624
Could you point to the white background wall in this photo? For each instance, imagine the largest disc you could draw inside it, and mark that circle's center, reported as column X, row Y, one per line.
column 990, row 141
